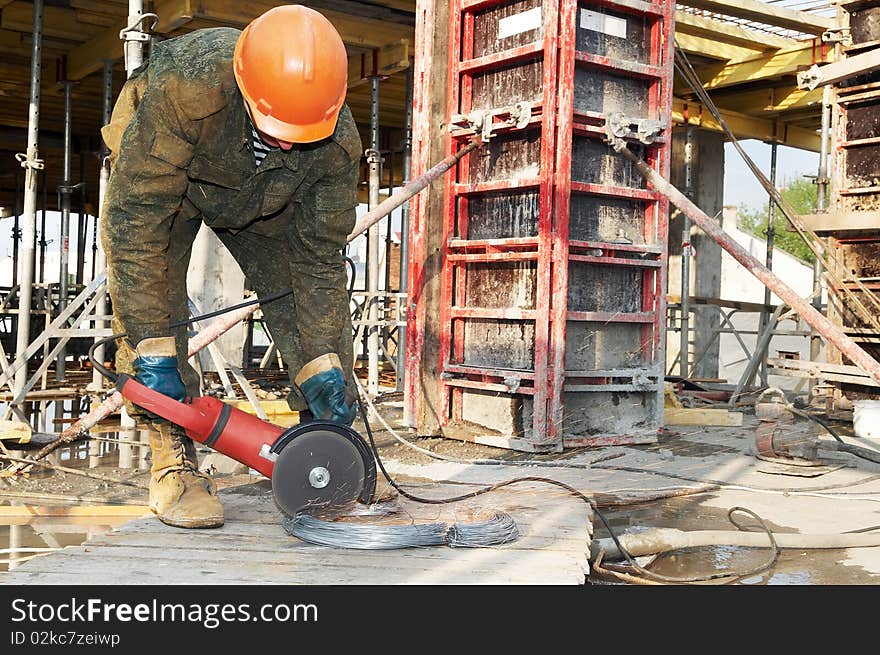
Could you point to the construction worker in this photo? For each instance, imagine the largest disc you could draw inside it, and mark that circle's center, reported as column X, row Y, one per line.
column 246, row 131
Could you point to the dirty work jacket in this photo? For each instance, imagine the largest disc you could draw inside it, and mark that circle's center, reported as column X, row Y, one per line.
column 181, row 148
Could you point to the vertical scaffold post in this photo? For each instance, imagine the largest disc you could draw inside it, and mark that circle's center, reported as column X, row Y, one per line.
column 768, row 260
column 31, row 163
column 99, row 258
column 64, row 192
column 373, row 273
column 404, row 230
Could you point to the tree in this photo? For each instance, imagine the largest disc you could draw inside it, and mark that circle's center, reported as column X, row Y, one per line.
column 800, row 192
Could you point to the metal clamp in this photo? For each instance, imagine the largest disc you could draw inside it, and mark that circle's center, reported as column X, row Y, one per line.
column 27, row 161
column 487, row 122
column 808, row 79
column 621, row 126
column 842, row 35
column 133, row 31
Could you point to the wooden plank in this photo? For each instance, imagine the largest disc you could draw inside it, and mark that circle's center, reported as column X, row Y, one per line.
column 58, row 22
column 709, row 28
column 768, row 14
column 761, row 67
column 746, row 127
column 694, row 416
column 327, row 566
column 834, row 222
column 773, row 100
column 713, row 48
column 33, row 511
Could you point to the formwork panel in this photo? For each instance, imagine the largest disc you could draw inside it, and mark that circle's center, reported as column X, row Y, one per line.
column 499, row 344
column 594, row 288
column 512, row 156
column 594, row 218
column 503, row 215
column 501, row 284
column 615, row 34
column 520, row 82
column 590, row 414
column 593, row 162
column 594, row 346
column 507, row 26
column 601, row 92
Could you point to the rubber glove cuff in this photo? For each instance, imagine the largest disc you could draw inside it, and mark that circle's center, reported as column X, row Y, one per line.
column 322, row 382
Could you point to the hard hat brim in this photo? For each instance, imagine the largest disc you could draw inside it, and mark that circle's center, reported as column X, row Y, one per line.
column 308, row 133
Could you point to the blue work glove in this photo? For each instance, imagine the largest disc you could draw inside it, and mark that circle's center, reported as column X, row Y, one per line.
column 323, row 385
column 156, row 367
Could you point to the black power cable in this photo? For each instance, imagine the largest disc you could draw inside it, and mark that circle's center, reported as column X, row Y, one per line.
column 580, row 495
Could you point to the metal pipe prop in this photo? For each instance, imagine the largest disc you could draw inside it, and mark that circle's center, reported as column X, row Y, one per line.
column 832, row 333
column 227, row 321
column 412, row 188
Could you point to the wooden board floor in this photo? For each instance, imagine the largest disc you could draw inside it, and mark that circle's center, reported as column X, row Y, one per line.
column 253, row 548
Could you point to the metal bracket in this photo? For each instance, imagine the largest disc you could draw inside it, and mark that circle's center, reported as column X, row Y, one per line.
column 27, row 161
column 133, row 31
column 621, row 126
column 487, row 122
column 840, row 35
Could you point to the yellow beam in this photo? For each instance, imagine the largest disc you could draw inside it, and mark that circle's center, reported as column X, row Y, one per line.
column 713, row 48
column 390, row 59
column 775, row 100
column 762, row 12
column 716, row 30
column 746, row 127
column 761, row 67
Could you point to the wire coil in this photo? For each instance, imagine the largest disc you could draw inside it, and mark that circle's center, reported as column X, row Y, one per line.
column 500, row 528
column 364, row 537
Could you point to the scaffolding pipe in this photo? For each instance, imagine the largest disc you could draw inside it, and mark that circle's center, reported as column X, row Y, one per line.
column 373, row 270
column 821, row 207
column 31, row 163
column 99, row 259
column 404, row 232
column 133, row 43
column 64, row 193
column 832, row 333
column 685, row 337
column 768, row 258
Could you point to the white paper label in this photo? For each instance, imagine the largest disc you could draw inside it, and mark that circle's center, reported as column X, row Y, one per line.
column 518, row 23
column 610, row 25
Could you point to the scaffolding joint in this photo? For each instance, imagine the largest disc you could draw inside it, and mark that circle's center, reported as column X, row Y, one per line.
column 30, row 160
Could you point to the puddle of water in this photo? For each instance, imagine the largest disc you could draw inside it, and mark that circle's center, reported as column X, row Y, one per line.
column 49, row 532
column 794, row 567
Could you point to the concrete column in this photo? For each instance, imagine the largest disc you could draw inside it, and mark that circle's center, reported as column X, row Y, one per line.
column 707, row 184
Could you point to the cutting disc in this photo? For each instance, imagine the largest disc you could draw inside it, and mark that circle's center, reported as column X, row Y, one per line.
column 319, row 472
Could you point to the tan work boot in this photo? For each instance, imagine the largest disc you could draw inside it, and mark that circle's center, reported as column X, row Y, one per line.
column 180, row 495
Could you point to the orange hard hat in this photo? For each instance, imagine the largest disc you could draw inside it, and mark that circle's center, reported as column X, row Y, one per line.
column 291, row 67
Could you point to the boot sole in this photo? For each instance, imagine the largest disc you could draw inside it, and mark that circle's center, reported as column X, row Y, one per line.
column 191, row 523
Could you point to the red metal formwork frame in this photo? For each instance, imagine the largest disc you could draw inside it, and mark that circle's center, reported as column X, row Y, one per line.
column 658, row 71
column 550, row 248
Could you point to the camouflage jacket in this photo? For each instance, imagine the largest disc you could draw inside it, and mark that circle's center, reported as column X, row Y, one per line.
column 181, row 147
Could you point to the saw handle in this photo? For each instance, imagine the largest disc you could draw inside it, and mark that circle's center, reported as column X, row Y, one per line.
column 242, row 436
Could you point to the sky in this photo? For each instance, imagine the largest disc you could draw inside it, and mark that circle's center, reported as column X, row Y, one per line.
column 741, row 187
